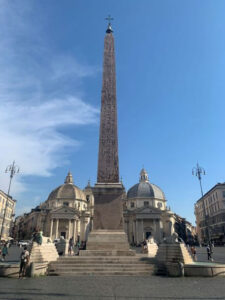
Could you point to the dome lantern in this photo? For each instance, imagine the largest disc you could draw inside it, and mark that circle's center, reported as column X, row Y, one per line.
column 143, row 176
column 69, row 178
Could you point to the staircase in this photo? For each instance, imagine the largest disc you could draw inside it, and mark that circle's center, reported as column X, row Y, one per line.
column 102, row 266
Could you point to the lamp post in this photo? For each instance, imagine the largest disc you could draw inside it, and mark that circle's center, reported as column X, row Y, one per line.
column 199, row 171
column 12, row 169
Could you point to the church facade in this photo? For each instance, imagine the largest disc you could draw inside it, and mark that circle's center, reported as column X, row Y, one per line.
column 145, row 212
column 67, row 212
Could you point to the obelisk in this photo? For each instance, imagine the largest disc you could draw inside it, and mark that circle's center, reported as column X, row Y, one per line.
column 108, row 236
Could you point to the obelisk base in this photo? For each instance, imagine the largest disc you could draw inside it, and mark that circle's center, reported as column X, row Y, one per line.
column 108, row 236
column 107, row 243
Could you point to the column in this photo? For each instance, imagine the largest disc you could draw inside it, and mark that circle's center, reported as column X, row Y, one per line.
column 69, row 231
column 56, row 228
column 77, row 228
column 142, row 229
column 74, row 231
column 51, row 227
column 157, row 231
column 136, row 229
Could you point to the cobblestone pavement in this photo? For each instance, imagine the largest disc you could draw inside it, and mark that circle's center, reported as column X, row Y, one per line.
column 218, row 254
column 118, row 287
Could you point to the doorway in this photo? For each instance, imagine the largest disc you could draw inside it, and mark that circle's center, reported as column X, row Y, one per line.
column 63, row 234
column 148, row 234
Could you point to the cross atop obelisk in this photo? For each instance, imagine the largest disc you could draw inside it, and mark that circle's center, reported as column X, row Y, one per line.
column 108, row 164
column 109, row 19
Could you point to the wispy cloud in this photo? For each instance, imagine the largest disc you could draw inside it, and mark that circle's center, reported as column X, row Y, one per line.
column 38, row 96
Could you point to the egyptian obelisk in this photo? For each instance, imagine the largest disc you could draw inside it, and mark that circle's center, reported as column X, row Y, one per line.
column 108, row 235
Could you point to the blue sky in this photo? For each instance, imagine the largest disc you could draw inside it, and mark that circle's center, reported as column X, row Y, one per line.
column 170, row 66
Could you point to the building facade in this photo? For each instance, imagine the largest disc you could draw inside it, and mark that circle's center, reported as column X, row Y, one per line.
column 185, row 230
column 7, row 209
column 210, row 215
column 146, row 213
column 67, row 212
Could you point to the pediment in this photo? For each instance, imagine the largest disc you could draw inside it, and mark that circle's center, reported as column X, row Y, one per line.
column 148, row 210
column 64, row 210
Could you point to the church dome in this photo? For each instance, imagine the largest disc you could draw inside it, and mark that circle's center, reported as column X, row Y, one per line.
column 67, row 191
column 145, row 189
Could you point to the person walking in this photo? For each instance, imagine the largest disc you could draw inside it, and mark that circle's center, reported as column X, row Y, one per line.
column 193, row 252
column 71, row 245
column 4, row 252
column 24, row 260
column 209, row 252
column 39, row 237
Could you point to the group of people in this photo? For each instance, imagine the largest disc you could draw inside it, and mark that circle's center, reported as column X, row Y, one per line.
column 209, row 250
column 75, row 248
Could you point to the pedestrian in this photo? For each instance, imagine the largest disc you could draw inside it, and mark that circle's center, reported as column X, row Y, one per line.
column 4, row 252
column 144, row 246
column 34, row 235
column 24, row 260
column 193, row 252
column 71, row 245
column 77, row 247
column 39, row 237
column 209, row 252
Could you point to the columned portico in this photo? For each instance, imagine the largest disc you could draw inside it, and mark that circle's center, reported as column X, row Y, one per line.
column 68, row 222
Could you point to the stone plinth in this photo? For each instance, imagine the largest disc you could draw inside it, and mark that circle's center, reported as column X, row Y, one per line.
column 108, row 236
column 108, row 211
column 45, row 252
column 169, row 258
column 152, row 248
column 106, row 243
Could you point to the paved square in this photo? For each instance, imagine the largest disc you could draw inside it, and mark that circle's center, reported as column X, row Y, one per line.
column 122, row 287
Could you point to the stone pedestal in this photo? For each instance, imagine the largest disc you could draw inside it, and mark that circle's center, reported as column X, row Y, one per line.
column 108, row 236
column 106, row 243
column 108, row 210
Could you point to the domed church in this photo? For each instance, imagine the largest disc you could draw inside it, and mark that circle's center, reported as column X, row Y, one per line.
column 67, row 212
column 146, row 213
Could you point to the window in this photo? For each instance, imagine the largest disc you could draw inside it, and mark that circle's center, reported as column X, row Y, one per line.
column 132, row 204
column 223, row 194
column 159, row 204
column 146, row 203
column 65, row 203
column 87, row 198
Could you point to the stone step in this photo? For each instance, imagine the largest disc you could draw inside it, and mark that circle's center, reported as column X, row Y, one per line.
column 102, row 273
column 94, row 263
column 103, row 261
column 93, row 270
column 80, row 266
column 95, row 258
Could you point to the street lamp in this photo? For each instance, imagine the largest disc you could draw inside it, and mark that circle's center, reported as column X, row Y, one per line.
column 12, row 169
column 199, row 171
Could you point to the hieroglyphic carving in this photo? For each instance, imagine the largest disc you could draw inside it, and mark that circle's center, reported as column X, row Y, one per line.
column 108, row 165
